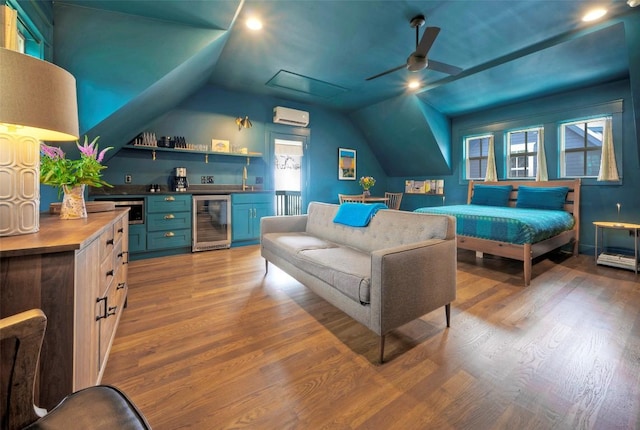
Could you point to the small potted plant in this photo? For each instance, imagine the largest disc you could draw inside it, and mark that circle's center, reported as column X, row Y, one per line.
column 367, row 182
column 71, row 176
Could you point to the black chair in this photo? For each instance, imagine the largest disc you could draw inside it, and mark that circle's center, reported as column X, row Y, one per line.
column 99, row 407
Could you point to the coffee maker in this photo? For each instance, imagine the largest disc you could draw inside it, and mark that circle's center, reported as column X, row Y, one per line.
column 179, row 180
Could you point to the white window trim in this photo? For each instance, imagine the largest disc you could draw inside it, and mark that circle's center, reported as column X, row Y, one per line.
column 561, row 132
column 540, row 130
column 466, row 140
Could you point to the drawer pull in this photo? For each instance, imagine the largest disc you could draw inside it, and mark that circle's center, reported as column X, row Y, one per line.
column 170, row 216
column 104, row 310
column 111, row 310
column 169, row 234
column 120, row 285
column 109, row 273
column 110, row 241
column 170, row 199
column 121, row 230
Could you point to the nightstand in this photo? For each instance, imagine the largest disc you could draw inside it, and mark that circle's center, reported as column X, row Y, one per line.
column 617, row 260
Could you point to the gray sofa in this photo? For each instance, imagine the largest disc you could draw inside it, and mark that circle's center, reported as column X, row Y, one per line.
column 399, row 267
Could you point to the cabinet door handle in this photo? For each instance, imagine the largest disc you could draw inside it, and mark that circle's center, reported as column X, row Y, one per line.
column 109, row 273
column 104, row 308
column 111, row 310
column 120, row 285
column 169, row 234
column 169, row 216
column 121, row 230
column 170, row 199
column 110, row 241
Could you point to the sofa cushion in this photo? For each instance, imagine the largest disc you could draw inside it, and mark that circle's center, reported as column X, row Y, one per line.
column 346, row 269
column 387, row 228
column 295, row 241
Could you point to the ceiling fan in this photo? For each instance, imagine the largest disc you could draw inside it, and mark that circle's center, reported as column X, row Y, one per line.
column 418, row 60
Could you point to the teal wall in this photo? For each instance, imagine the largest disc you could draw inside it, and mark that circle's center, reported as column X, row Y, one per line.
column 211, row 112
column 598, row 199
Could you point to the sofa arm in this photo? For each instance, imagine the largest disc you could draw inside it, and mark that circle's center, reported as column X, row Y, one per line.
column 410, row 281
column 283, row 224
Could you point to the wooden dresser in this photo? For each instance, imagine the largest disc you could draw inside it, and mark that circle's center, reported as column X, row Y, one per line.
column 76, row 272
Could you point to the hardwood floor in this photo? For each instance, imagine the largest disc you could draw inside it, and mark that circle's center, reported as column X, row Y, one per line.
column 209, row 342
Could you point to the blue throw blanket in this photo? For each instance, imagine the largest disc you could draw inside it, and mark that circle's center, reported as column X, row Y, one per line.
column 357, row 214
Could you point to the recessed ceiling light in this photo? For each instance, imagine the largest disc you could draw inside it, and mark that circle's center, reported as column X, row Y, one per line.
column 254, row 24
column 594, row 14
column 413, row 85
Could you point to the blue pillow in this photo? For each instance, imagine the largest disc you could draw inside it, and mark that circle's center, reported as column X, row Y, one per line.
column 491, row 195
column 551, row 198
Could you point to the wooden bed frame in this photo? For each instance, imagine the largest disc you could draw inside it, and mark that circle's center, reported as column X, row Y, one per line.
column 527, row 252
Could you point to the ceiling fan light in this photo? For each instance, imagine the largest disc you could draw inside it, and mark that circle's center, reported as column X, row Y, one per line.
column 254, row 24
column 412, row 85
column 594, row 14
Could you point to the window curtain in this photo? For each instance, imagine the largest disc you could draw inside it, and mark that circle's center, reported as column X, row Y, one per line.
column 541, row 173
column 491, row 174
column 608, row 168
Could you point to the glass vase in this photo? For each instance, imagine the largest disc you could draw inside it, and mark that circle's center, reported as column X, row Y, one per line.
column 366, row 193
column 73, row 206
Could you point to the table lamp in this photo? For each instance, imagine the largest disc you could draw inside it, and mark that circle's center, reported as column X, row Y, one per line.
column 37, row 102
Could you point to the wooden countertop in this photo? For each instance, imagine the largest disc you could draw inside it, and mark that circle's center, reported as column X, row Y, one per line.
column 58, row 235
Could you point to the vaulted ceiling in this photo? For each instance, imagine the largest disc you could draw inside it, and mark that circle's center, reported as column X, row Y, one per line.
column 320, row 52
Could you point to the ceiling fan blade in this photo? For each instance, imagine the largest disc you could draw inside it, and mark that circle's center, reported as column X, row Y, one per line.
column 428, row 37
column 404, row 66
column 443, row 67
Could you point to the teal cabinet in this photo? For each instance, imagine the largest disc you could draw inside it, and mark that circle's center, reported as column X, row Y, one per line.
column 246, row 211
column 137, row 238
column 168, row 221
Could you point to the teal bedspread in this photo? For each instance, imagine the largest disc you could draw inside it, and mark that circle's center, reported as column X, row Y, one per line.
column 505, row 224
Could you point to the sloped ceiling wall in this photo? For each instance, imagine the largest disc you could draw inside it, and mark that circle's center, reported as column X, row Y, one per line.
column 408, row 137
column 129, row 69
column 134, row 62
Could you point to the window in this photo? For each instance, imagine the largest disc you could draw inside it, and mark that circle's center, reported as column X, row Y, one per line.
column 581, row 147
column 477, row 150
column 522, row 146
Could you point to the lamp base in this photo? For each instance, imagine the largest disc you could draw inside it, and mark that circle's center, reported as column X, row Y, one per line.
column 19, row 185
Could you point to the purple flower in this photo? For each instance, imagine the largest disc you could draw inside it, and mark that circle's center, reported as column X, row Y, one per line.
column 104, row 151
column 88, row 149
column 52, row 152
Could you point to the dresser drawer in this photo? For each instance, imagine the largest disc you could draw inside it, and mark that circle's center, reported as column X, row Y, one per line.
column 169, row 203
column 168, row 221
column 168, row 239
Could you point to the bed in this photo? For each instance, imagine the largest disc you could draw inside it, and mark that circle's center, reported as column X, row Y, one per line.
column 521, row 220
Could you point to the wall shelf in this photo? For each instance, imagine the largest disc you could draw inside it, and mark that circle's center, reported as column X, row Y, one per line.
column 155, row 149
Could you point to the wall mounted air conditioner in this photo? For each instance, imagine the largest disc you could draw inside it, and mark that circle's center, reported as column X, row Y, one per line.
column 283, row 115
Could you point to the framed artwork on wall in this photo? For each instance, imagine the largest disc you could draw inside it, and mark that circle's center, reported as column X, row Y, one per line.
column 218, row 145
column 346, row 164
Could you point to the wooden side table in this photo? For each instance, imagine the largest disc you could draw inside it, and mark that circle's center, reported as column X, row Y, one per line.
column 615, row 260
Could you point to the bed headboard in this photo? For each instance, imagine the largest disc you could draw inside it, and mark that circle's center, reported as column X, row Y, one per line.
column 571, row 203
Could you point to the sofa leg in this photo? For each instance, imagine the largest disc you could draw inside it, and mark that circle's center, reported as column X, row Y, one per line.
column 381, row 359
column 266, row 266
column 447, row 312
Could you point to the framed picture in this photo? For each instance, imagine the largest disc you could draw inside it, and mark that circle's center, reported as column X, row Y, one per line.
column 218, row 145
column 346, row 164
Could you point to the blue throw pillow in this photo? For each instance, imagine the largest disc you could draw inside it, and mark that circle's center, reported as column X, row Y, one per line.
column 551, row 198
column 491, row 195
